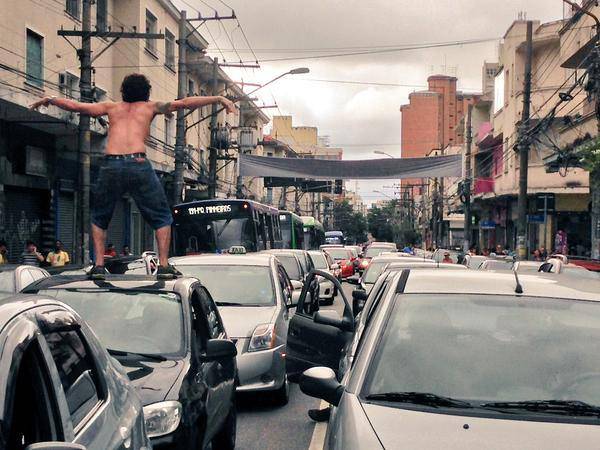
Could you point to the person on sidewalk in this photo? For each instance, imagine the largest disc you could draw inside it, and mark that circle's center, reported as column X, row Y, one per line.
column 125, row 169
column 30, row 256
column 58, row 257
column 3, row 252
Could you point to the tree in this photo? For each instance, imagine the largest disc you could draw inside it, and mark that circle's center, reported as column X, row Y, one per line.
column 351, row 223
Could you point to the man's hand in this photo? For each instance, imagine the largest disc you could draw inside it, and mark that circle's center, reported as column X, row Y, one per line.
column 229, row 105
column 43, row 102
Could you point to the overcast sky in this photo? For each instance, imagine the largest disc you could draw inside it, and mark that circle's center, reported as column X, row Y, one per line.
column 361, row 118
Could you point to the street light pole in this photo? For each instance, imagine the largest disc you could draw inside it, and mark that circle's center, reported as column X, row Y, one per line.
column 379, row 152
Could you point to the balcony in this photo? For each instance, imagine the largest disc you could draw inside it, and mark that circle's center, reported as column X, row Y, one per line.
column 483, row 185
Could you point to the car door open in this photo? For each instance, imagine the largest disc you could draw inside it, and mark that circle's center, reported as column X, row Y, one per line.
column 316, row 338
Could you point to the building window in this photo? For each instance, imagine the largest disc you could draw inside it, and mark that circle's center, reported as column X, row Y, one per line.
column 72, row 8
column 69, row 84
column 191, row 87
column 168, row 131
column 34, row 62
column 101, row 15
column 169, row 50
column 151, row 27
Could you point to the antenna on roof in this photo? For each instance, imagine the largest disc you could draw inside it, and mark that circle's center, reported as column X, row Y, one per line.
column 518, row 287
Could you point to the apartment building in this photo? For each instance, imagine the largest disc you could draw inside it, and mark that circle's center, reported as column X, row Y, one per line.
column 496, row 163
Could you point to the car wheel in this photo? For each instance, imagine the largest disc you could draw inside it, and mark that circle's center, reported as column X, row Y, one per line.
column 281, row 396
column 225, row 438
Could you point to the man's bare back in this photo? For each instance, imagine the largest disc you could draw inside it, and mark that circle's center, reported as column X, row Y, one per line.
column 130, row 121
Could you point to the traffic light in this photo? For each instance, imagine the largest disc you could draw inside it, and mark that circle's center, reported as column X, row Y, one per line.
column 339, row 187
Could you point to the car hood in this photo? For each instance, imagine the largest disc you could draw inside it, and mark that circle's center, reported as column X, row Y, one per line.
column 240, row 321
column 401, row 428
column 152, row 380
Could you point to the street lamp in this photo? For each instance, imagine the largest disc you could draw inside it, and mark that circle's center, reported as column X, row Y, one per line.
column 379, row 152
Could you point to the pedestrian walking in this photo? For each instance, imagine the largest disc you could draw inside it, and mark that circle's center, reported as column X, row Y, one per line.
column 30, row 256
column 126, row 251
column 58, row 257
column 447, row 259
column 3, row 252
column 125, row 169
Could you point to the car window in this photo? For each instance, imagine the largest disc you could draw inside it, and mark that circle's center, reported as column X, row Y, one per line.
column 35, row 409
column 284, row 283
column 292, row 268
column 77, row 372
column 489, row 348
column 320, row 261
column 215, row 327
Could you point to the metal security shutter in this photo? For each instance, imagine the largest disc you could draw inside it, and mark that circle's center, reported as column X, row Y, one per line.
column 65, row 221
column 25, row 211
column 116, row 229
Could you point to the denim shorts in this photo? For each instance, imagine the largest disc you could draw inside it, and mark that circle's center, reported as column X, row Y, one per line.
column 137, row 178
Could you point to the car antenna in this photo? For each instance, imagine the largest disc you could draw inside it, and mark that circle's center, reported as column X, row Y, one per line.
column 519, row 286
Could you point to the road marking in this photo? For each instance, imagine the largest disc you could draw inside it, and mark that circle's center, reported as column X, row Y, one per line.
column 318, row 438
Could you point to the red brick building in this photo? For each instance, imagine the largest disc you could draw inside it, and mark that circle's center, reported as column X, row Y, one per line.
column 432, row 117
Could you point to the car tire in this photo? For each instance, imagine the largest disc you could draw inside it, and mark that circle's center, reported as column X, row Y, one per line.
column 226, row 437
column 281, row 396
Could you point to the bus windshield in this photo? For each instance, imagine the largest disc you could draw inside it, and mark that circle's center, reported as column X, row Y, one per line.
column 200, row 233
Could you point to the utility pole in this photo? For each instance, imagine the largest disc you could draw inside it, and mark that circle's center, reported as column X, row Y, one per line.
column 178, row 185
column 522, row 244
column 84, row 134
column 82, row 255
column 239, row 183
column 434, row 215
column 212, row 156
column 467, row 181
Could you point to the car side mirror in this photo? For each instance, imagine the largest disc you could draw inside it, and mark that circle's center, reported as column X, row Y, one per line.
column 333, row 319
column 55, row 446
column 321, row 382
column 297, row 285
column 217, row 349
column 359, row 298
column 335, row 266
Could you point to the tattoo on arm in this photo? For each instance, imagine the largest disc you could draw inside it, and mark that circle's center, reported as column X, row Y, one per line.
column 163, row 107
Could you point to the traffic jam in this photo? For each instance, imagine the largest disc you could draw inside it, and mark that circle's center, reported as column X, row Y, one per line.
column 395, row 346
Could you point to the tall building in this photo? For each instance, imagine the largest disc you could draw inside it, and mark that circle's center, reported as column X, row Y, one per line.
column 430, row 120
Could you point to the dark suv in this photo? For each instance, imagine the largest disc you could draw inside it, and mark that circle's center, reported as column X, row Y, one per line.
column 170, row 338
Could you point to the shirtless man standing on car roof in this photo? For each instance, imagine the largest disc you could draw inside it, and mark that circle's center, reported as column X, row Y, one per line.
column 125, row 169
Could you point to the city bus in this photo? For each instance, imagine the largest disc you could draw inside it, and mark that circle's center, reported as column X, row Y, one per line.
column 214, row 226
column 314, row 233
column 292, row 230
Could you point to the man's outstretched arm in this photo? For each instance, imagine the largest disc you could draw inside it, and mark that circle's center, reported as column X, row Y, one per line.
column 91, row 109
column 192, row 103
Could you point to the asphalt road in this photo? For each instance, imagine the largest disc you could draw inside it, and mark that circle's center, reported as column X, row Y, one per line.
column 262, row 426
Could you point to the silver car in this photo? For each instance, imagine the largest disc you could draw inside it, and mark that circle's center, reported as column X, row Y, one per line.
column 485, row 360
column 253, row 294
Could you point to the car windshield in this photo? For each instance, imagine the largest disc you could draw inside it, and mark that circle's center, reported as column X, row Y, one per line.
column 338, row 253
column 376, row 251
column 237, row 285
column 290, row 264
column 491, row 264
column 319, row 261
column 129, row 321
column 373, row 271
column 489, row 348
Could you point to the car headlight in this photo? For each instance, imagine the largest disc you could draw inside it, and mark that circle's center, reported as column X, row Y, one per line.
column 262, row 338
column 162, row 418
column 364, row 263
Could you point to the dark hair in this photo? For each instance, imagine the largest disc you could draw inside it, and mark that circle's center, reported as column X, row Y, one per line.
column 3, row 243
column 28, row 243
column 135, row 88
